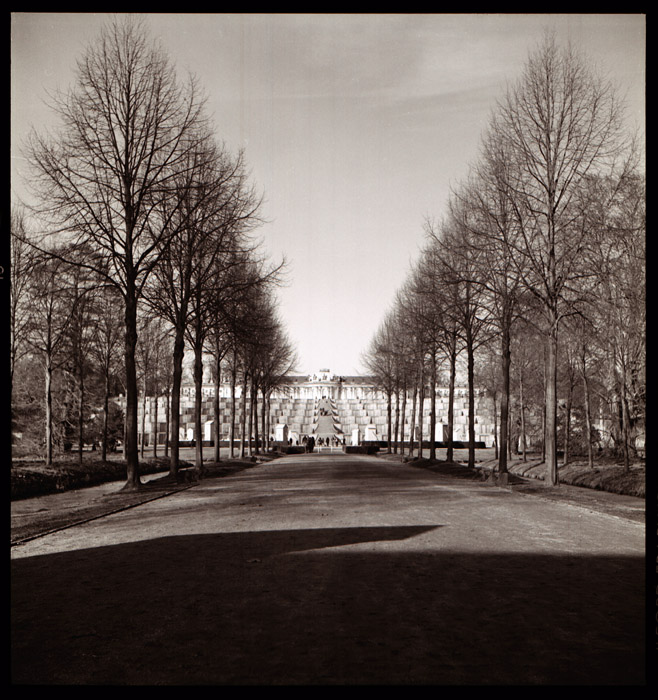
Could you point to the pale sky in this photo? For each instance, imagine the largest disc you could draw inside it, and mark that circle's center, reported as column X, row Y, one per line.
column 354, row 127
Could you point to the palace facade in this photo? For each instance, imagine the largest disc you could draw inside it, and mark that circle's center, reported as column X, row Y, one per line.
column 358, row 410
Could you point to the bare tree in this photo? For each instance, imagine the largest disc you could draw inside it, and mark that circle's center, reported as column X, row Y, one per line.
column 209, row 217
column 528, row 385
column 126, row 129
column 379, row 360
column 50, row 318
column 21, row 261
column 151, row 344
column 561, row 123
column 84, row 293
column 567, row 383
column 219, row 348
column 410, row 303
column 105, row 348
column 278, row 360
column 436, row 284
column 488, row 197
column 619, row 296
column 466, row 268
column 144, row 362
column 222, row 284
column 489, row 377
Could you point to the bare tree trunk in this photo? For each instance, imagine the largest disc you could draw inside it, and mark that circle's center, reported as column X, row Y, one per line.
column 522, row 416
column 433, row 408
column 49, row 410
column 263, row 420
column 125, row 434
column 243, row 417
column 269, row 418
column 252, row 404
column 451, row 405
column 81, row 414
column 198, row 404
column 413, row 420
column 216, row 409
column 131, row 448
column 421, row 410
column 167, row 420
column 397, row 421
column 504, row 401
column 179, row 350
column 141, row 447
column 232, row 425
column 625, row 417
column 588, row 417
column 106, row 416
column 404, row 411
column 389, row 408
column 471, row 401
column 495, row 414
column 155, row 424
column 543, row 432
column 567, row 428
column 551, row 406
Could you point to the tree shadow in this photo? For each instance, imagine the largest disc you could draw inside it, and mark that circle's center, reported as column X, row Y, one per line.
column 324, row 606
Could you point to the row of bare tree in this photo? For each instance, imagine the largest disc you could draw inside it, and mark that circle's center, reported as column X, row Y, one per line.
column 538, row 263
column 143, row 216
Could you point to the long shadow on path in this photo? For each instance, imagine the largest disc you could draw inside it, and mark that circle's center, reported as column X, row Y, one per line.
column 323, row 606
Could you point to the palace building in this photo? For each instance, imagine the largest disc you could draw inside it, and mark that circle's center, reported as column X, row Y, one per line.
column 341, row 408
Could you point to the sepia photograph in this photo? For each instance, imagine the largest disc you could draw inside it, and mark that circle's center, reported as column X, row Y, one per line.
column 328, row 350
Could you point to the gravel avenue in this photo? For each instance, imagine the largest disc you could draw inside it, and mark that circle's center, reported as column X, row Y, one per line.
column 334, row 569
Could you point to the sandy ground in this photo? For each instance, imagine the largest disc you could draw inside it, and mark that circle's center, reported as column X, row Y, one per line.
column 321, row 570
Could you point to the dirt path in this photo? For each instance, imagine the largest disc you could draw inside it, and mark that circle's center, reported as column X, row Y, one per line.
column 334, row 570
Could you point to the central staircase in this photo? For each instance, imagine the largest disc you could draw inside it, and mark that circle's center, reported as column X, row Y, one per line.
column 326, row 421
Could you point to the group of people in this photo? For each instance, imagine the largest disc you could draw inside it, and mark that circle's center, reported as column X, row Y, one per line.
column 309, row 442
column 330, row 441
